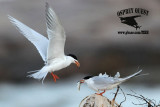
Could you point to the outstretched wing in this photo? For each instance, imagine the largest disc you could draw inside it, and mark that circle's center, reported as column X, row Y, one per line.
column 56, row 35
column 39, row 41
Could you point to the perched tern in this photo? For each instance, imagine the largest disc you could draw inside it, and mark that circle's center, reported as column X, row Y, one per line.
column 104, row 82
column 51, row 49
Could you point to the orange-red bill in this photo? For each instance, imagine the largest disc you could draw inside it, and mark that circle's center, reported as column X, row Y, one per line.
column 81, row 81
column 77, row 63
column 79, row 84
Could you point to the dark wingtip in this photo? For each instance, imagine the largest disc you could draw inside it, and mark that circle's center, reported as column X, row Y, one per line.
column 47, row 5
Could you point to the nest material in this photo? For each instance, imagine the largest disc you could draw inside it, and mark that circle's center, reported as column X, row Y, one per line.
column 95, row 100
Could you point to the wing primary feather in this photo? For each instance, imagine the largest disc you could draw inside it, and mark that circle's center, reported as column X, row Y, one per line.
column 55, row 33
column 51, row 18
column 39, row 41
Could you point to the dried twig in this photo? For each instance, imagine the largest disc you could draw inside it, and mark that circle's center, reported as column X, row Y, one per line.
column 116, row 93
column 124, row 97
column 113, row 100
column 148, row 102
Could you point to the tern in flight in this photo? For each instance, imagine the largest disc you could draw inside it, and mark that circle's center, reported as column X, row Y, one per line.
column 104, row 82
column 51, row 49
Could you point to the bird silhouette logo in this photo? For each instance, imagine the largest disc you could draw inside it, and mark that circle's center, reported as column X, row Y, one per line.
column 130, row 21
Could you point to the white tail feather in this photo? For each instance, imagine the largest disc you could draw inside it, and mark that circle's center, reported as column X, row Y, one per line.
column 128, row 77
column 33, row 71
column 131, row 76
column 40, row 74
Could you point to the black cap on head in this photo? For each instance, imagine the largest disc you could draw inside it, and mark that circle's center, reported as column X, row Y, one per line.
column 87, row 77
column 73, row 56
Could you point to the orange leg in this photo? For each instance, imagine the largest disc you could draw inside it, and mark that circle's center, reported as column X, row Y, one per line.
column 101, row 93
column 54, row 76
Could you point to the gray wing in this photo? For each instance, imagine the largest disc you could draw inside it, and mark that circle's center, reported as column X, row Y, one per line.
column 55, row 33
column 103, row 81
column 39, row 41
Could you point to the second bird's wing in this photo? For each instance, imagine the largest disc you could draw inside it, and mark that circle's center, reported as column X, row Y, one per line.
column 55, row 33
column 103, row 81
column 39, row 41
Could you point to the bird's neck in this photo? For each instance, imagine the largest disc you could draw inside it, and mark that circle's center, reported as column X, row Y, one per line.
column 68, row 60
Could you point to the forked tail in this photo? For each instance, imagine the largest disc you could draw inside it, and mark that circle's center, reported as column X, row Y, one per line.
column 133, row 75
column 39, row 74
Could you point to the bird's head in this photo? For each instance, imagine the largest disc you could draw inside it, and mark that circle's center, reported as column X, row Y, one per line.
column 74, row 60
column 85, row 79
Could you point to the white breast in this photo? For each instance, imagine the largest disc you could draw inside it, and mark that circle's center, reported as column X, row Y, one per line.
column 91, row 84
column 58, row 64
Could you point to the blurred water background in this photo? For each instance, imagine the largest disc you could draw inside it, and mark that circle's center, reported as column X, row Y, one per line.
column 91, row 27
